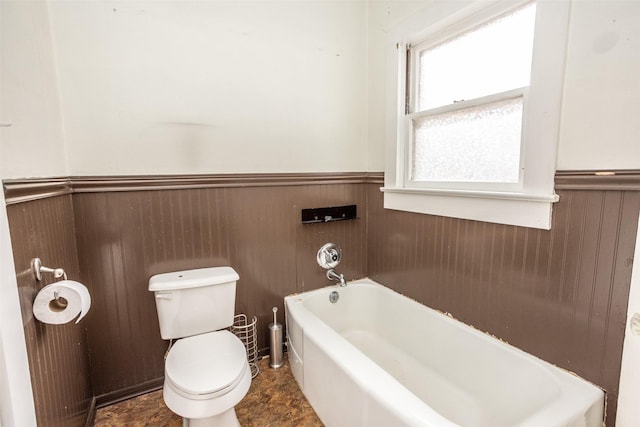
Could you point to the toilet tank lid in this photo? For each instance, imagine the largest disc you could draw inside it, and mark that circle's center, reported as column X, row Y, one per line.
column 192, row 278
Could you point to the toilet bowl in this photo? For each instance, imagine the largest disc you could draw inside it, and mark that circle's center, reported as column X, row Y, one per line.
column 206, row 371
column 205, row 377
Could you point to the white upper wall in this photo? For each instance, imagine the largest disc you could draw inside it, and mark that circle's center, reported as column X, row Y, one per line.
column 600, row 126
column 170, row 87
column 34, row 144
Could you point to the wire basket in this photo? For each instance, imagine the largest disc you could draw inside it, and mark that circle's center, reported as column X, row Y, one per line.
column 248, row 334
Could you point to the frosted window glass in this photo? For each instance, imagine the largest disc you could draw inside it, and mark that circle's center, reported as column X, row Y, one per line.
column 477, row 144
column 493, row 58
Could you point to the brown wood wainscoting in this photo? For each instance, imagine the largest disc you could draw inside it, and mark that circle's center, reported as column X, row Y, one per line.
column 560, row 294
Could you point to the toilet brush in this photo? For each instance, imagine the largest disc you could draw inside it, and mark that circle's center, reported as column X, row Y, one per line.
column 275, row 350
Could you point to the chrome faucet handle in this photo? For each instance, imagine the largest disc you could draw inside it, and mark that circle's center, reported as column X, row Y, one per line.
column 329, row 256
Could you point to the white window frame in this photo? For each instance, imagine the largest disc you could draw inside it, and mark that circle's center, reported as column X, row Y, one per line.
column 527, row 204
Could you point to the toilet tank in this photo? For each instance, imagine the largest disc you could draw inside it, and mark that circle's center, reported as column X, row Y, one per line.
column 193, row 302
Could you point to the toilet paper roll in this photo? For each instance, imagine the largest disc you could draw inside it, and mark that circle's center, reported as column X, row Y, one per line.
column 61, row 302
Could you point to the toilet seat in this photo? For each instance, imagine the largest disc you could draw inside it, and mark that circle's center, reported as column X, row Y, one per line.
column 206, row 366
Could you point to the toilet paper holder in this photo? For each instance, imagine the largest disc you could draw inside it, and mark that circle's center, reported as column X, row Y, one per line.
column 37, row 268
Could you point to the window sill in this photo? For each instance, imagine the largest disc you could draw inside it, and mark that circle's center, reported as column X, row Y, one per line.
column 520, row 209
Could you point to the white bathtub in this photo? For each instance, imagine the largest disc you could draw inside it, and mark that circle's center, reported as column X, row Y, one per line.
column 377, row 358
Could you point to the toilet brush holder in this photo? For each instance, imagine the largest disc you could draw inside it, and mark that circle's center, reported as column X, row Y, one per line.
column 276, row 358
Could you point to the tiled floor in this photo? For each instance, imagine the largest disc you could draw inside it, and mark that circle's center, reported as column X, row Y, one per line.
column 274, row 400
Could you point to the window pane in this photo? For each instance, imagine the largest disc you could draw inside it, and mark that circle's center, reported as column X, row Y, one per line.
column 477, row 144
column 493, row 58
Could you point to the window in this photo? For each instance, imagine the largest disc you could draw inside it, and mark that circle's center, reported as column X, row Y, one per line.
column 467, row 100
column 478, row 105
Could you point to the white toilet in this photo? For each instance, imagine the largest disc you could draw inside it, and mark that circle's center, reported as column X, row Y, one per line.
column 206, row 371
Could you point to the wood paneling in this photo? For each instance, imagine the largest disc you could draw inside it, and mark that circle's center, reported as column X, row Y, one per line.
column 58, row 354
column 26, row 190
column 561, row 294
column 619, row 180
column 126, row 237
